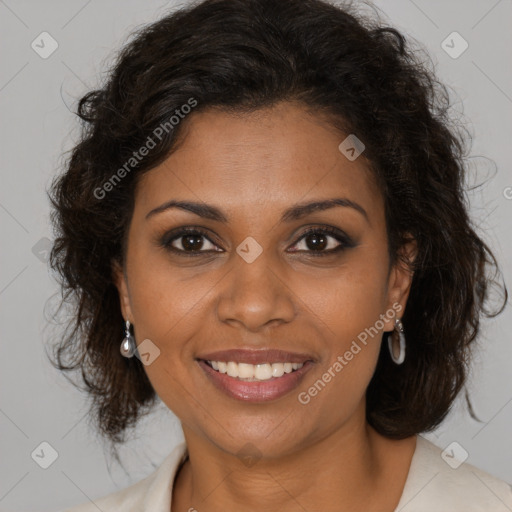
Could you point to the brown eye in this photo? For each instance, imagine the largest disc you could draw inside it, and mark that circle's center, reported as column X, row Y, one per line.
column 187, row 240
column 191, row 242
column 323, row 241
column 316, row 241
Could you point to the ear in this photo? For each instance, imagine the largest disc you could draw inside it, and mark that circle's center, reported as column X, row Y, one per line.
column 119, row 278
column 399, row 282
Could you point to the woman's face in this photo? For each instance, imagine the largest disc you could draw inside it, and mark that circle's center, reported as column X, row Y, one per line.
column 252, row 281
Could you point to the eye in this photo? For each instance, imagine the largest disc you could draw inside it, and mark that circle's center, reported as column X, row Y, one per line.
column 323, row 241
column 189, row 242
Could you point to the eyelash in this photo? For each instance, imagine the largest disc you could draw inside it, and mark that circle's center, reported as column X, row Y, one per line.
column 339, row 236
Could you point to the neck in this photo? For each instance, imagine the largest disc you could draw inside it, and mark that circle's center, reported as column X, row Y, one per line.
column 354, row 469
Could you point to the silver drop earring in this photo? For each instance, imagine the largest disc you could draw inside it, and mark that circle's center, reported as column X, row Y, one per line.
column 128, row 346
column 398, row 332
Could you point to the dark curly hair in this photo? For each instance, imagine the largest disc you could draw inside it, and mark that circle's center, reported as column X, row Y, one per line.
column 244, row 55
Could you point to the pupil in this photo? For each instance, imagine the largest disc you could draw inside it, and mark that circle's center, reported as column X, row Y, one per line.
column 190, row 241
column 319, row 241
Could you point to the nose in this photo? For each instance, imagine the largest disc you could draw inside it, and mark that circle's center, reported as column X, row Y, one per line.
column 255, row 295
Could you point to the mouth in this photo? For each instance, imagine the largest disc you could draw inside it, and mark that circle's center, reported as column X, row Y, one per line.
column 255, row 376
column 253, row 372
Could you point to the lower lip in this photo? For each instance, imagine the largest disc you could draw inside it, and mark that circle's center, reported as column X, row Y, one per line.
column 255, row 391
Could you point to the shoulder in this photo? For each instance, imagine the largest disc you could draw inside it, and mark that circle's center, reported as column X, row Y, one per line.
column 439, row 480
column 152, row 493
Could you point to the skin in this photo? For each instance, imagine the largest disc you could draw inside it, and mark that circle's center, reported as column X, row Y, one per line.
column 254, row 166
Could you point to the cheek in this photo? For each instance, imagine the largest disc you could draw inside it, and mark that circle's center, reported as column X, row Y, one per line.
column 350, row 298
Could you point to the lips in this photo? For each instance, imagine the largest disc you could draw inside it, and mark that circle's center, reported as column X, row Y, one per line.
column 258, row 390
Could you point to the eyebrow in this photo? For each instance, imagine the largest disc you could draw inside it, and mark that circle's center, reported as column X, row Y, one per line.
column 295, row 212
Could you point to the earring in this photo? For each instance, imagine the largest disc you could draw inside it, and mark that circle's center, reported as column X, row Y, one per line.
column 398, row 331
column 128, row 345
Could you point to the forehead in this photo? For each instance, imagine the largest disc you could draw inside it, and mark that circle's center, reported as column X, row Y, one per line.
column 271, row 157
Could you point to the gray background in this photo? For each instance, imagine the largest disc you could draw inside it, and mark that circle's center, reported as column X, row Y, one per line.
column 36, row 403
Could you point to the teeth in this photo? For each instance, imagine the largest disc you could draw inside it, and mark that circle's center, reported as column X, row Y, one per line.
column 277, row 369
column 232, row 369
column 263, row 371
column 245, row 371
column 253, row 372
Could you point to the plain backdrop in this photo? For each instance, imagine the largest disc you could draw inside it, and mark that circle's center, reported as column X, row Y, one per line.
column 37, row 96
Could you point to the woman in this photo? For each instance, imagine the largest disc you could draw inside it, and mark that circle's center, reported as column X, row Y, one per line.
column 267, row 203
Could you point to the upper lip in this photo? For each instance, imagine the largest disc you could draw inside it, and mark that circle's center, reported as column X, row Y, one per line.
column 258, row 356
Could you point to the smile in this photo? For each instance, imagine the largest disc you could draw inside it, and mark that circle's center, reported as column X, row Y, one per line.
column 254, row 372
column 254, row 382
